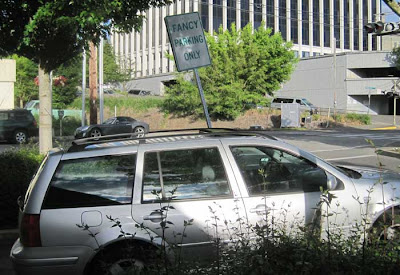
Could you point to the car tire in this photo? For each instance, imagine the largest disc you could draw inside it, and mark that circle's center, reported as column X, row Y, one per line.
column 20, row 136
column 125, row 258
column 139, row 131
column 377, row 232
column 95, row 133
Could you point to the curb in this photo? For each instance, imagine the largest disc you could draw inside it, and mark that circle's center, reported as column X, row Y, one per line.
column 387, row 128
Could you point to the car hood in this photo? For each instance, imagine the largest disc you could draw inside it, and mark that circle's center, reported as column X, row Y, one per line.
column 370, row 173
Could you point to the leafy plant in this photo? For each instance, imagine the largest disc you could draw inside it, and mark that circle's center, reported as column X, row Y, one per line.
column 18, row 167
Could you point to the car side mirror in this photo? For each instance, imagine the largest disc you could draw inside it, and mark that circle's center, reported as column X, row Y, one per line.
column 332, row 182
column 116, row 122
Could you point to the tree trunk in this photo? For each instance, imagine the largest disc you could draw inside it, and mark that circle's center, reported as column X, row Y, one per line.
column 93, row 83
column 45, row 112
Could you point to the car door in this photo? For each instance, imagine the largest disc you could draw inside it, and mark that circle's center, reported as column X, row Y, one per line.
column 187, row 195
column 123, row 125
column 84, row 192
column 282, row 188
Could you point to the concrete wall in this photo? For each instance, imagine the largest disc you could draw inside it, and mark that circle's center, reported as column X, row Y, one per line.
column 154, row 84
column 7, row 80
column 316, row 80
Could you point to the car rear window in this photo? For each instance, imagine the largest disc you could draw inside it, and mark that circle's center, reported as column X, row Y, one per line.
column 105, row 180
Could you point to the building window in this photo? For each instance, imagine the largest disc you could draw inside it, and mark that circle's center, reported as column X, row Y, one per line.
column 231, row 12
column 305, row 28
column 203, row 10
column 356, row 26
column 316, row 21
column 257, row 13
column 217, row 14
column 327, row 22
column 270, row 14
column 294, row 24
column 336, row 22
column 282, row 18
column 244, row 13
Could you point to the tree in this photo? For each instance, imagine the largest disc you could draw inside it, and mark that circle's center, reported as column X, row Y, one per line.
column 53, row 32
column 112, row 71
column 246, row 66
column 25, row 88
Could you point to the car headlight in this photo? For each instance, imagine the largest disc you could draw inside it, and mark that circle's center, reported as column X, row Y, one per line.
column 81, row 129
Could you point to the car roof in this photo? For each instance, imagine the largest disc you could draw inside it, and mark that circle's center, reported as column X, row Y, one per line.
column 181, row 135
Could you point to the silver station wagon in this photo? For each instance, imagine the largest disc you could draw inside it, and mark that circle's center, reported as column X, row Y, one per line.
column 78, row 196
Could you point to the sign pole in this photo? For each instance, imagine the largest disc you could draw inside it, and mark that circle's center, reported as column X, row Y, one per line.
column 203, row 100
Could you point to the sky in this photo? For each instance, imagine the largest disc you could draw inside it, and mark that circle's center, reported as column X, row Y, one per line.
column 390, row 16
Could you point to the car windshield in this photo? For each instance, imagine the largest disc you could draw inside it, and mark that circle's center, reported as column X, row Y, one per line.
column 30, row 104
column 307, row 102
column 109, row 121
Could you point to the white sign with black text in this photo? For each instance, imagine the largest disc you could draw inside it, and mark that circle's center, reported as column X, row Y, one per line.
column 188, row 42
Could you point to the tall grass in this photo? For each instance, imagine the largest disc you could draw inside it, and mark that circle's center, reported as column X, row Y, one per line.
column 136, row 103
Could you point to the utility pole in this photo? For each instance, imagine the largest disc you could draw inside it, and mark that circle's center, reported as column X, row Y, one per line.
column 83, row 86
column 93, row 83
column 101, row 80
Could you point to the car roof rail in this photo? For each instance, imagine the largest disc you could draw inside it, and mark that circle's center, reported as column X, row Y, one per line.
column 80, row 144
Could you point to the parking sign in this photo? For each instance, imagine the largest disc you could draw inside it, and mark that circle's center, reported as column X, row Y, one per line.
column 186, row 35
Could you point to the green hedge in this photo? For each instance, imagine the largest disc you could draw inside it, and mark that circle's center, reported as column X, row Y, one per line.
column 18, row 165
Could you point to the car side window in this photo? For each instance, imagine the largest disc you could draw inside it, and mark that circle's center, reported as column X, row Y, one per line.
column 105, row 180
column 184, row 174
column 3, row 116
column 268, row 170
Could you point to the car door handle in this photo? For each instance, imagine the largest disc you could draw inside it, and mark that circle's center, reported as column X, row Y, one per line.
column 154, row 217
column 260, row 209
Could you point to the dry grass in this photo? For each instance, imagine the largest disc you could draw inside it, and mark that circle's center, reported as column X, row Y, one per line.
column 158, row 121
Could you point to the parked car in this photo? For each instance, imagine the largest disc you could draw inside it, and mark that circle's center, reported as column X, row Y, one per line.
column 113, row 126
column 305, row 105
column 139, row 92
column 188, row 173
column 17, row 125
column 34, row 106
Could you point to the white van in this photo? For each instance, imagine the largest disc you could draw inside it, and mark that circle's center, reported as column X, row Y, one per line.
column 305, row 105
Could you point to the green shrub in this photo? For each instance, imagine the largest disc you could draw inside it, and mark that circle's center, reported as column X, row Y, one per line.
column 316, row 117
column 69, row 125
column 18, row 165
column 362, row 118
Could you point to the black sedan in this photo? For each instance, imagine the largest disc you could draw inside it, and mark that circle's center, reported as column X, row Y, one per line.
column 113, row 126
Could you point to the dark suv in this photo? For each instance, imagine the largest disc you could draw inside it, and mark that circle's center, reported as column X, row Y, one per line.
column 17, row 125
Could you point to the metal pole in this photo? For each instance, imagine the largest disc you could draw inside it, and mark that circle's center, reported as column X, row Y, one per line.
column 394, row 111
column 203, row 100
column 369, row 101
column 83, row 85
column 334, row 76
column 101, row 80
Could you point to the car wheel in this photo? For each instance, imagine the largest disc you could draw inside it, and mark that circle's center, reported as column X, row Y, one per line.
column 20, row 136
column 139, row 131
column 386, row 231
column 123, row 259
column 95, row 133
